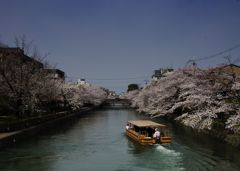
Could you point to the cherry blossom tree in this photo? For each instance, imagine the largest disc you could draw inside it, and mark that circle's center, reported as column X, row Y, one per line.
column 77, row 96
column 195, row 97
column 27, row 89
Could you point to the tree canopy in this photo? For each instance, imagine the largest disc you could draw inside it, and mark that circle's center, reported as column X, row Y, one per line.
column 132, row 87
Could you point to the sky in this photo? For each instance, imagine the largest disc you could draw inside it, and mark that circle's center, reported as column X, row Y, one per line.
column 113, row 43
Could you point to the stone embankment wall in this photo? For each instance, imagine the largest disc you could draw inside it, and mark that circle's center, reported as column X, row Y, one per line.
column 34, row 127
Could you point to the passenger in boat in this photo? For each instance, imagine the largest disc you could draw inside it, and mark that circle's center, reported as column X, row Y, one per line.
column 150, row 132
column 157, row 135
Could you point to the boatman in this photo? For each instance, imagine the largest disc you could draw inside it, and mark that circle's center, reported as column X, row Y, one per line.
column 157, row 135
column 127, row 126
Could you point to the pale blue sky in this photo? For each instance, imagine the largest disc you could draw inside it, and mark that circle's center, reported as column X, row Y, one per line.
column 97, row 39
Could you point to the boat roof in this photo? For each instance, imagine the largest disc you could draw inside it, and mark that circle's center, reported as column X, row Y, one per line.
column 146, row 123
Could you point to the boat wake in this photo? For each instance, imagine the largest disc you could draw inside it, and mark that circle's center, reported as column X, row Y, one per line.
column 166, row 151
column 170, row 158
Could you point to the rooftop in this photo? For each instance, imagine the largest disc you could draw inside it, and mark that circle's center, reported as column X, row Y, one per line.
column 146, row 123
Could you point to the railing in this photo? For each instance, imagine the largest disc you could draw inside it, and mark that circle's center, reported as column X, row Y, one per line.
column 116, row 103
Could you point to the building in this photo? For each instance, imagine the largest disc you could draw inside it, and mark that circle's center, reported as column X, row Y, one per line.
column 12, row 54
column 82, row 82
column 55, row 74
column 230, row 69
column 161, row 73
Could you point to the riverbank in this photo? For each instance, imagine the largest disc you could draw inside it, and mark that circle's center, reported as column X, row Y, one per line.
column 11, row 137
column 206, row 100
column 221, row 135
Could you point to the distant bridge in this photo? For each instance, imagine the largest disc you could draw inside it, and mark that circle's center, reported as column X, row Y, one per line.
column 117, row 103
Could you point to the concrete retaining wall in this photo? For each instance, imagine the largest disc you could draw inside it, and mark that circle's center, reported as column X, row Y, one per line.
column 16, row 136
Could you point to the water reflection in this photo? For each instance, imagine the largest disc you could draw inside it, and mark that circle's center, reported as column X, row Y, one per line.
column 135, row 148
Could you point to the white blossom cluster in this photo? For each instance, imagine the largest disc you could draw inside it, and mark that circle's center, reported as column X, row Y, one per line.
column 233, row 122
column 194, row 97
column 77, row 96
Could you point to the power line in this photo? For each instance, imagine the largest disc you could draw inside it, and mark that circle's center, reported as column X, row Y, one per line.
column 146, row 77
column 214, row 55
column 111, row 79
column 219, row 53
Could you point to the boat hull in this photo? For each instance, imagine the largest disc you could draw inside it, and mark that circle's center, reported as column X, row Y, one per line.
column 146, row 140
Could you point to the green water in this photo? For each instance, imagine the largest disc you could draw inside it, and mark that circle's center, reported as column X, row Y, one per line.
column 96, row 141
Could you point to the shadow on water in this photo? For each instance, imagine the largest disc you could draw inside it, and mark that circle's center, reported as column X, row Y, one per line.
column 135, row 148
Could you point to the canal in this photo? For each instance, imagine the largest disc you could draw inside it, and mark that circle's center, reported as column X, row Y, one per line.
column 96, row 141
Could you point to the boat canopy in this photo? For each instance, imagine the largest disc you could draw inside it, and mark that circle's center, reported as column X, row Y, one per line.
column 146, row 123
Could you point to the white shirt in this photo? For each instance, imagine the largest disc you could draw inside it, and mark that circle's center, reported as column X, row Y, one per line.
column 156, row 134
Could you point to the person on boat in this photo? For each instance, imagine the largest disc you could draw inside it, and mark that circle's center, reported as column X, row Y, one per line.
column 157, row 135
column 127, row 126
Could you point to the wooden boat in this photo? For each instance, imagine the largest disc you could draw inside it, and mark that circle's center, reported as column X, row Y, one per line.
column 143, row 131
